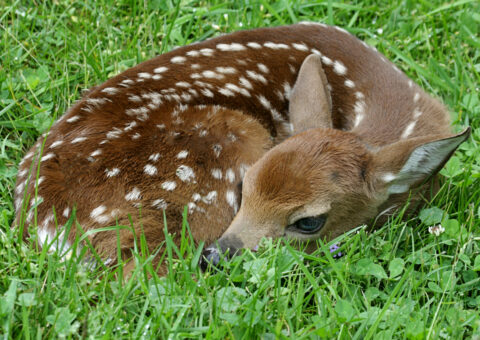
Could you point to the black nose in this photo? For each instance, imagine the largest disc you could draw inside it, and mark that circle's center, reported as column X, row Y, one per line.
column 210, row 256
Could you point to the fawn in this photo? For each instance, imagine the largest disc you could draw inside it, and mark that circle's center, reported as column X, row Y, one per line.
column 322, row 130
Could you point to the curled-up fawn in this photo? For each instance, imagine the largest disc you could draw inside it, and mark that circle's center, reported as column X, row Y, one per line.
column 322, row 130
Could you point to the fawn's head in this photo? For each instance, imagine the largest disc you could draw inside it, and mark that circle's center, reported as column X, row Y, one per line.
column 323, row 182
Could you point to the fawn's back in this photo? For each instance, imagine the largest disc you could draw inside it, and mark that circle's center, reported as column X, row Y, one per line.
column 183, row 128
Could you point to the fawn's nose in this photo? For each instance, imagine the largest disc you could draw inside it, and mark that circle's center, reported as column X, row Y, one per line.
column 223, row 249
column 214, row 254
column 210, row 256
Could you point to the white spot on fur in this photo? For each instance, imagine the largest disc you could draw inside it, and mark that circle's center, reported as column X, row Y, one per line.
column 226, row 70
column 183, row 84
column 178, row 60
column 78, row 140
column 349, row 83
column 66, row 212
column 47, row 156
column 254, row 45
column 263, row 68
column 210, row 197
column 96, row 153
column 169, row 185
column 182, row 154
column 110, row 90
column 56, row 143
column 212, row 74
column 226, row 92
column 417, row 113
column 416, row 97
column 133, row 195
column 408, row 130
column 339, row 68
column 134, row 98
column 97, row 212
column 217, row 173
column 264, row 101
column 115, row 133
column 73, row 119
column 245, row 83
column 19, row 188
column 287, row 90
column 150, row 169
column 275, row 46
column 154, row 157
column 300, row 47
column 237, row 89
column 231, row 47
column 160, row 69
column 256, row 76
column 130, row 126
column 145, row 75
column 207, row 92
column 359, row 95
column 207, row 52
column 22, row 173
column 160, row 204
column 185, row 173
column 217, row 149
column 232, row 200
column 193, row 53
column 327, row 61
column 196, row 197
column 230, row 175
column 113, row 172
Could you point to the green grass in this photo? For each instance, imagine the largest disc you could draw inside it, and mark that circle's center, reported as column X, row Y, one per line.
column 397, row 282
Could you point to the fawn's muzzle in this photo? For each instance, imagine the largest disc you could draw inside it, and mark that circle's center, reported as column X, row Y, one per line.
column 224, row 248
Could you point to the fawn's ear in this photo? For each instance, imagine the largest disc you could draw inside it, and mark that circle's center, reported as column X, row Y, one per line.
column 310, row 101
column 405, row 164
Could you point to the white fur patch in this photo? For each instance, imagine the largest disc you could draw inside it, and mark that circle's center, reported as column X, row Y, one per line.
column 233, row 47
column 210, row 197
column 133, row 195
column 339, row 68
column 256, row 76
column 275, row 46
column 230, row 175
column 169, row 185
column 408, row 130
column 232, row 200
column 113, row 172
column 185, row 173
column 254, row 45
column 217, row 173
column 182, row 154
column 56, row 143
column 150, row 169
column 178, row 60
column 48, row 156
column 110, row 90
column 300, row 47
column 160, row 69
column 73, row 119
column 160, row 204
column 78, row 140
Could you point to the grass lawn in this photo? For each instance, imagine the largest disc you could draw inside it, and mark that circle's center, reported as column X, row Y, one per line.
column 399, row 281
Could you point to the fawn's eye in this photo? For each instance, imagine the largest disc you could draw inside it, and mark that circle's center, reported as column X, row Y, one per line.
column 309, row 225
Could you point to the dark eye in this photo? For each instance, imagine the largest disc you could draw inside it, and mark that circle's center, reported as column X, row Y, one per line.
column 310, row 225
